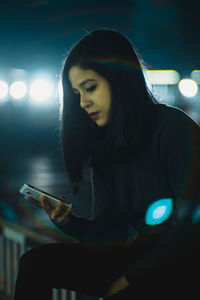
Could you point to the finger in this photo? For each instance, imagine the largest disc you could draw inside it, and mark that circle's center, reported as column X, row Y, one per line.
column 43, row 197
column 60, row 209
column 33, row 201
column 65, row 200
column 65, row 217
column 46, row 204
column 57, row 210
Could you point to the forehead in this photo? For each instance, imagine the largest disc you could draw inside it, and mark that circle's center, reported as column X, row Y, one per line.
column 78, row 75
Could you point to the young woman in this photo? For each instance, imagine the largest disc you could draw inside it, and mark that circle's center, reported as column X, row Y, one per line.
column 144, row 161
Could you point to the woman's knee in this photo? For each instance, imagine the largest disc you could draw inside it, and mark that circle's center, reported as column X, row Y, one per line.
column 27, row 262
column 33, row 259
column 42, row 257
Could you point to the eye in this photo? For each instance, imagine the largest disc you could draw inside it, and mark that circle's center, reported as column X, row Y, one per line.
column 91, row 89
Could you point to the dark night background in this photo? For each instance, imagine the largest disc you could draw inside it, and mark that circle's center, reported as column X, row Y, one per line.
column 35, row 36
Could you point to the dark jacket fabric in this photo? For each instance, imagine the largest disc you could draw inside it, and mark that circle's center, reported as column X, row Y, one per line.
column 167, row 168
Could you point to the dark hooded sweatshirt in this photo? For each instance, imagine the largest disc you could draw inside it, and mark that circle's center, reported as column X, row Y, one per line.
column 149, row 199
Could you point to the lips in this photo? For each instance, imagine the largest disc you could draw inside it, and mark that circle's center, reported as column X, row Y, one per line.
column 94, row 115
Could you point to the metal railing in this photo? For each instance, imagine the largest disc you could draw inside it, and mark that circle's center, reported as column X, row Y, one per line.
column 14, row 242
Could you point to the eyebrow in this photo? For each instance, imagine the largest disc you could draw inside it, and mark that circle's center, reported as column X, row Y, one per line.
column 85, row 81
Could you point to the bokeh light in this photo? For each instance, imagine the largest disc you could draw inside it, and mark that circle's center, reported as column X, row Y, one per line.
column 41, row 90
column 162, row 77
column 3, row 89
column 195, row 75
column 159, row 211
column 18, row 89
column 196, row 215
column 188, row 87
column 60, row 91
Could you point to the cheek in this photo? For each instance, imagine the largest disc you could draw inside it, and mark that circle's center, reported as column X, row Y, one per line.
column 107, row 98
column 106, row 103
column 109, row 101
column 104, row 98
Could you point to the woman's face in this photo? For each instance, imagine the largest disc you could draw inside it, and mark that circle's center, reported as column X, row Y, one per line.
column 94, row 91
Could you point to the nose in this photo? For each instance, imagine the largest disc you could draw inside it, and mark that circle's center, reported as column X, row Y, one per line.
column 84, row 101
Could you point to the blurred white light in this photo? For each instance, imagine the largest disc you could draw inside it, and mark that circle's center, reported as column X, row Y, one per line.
column 195, row 75
column 164, row 94
column 3, row 89
column 188, row 87
column 18, row 89
column 162, row 77
column 159, row 212
column 60, row 91
column 41, row 90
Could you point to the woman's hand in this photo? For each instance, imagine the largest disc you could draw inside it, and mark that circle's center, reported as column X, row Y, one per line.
column 116, row 286
column 60, row 214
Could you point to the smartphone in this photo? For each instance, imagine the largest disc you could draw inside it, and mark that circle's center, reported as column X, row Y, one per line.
column 29, row 190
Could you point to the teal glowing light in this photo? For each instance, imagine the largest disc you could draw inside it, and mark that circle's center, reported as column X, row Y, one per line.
column 159, row 211
column 196, row 215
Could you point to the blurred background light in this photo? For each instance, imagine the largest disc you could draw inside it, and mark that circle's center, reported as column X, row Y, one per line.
column 165, row 77
column 196, row 215
column 41, row 90
column 159, row 211
column 18, row 89
column 8, row 212
column 188, row 87
column 3, row 89
column 60, row 92
column 195, row 75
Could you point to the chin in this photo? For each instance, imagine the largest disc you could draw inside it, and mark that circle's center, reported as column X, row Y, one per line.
column 100, row 124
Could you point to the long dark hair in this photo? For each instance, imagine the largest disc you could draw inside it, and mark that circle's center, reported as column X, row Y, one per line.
column 85, row 144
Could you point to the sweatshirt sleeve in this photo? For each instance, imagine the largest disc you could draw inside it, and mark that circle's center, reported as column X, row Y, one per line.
column 178, row 144
column 105, row 226
column 95, row 231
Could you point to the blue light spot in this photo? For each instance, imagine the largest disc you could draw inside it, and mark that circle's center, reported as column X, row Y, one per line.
column 196, row 215
column 8, row 213
column 159, row 211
